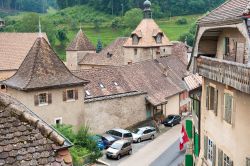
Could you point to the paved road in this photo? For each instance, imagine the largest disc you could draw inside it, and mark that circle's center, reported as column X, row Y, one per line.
column 156, row 149
column 171, row 157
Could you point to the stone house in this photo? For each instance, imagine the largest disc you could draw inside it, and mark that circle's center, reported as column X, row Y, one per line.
column 27, row 140
column 2, row 22
column 45, row 85
column 120, row 96
column 13, row 49
column 221, row 56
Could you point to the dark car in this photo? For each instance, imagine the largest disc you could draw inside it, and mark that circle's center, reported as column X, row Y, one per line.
column 172, row 120
column 99, row 141
column 107, row 140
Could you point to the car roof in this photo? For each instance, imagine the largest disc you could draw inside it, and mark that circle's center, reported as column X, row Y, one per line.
column 145, row 128
column 122, row 130
column 121, row 141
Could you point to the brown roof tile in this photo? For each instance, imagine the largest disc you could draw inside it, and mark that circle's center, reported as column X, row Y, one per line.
column 81, row 43
column 146, row 31
column 26, row 139
column 42, row 69
column 193, row 81
column 228, row 11
column 111, row 55
column 14, row 47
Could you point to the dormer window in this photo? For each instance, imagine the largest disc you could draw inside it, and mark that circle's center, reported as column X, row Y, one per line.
column 135, row 40
column 116, row 84
column 101, row 85
column 87, row 93
column 109, row 55
column 159, row 38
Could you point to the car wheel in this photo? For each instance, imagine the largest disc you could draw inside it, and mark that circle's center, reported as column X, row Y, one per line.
column 139, row 140
column 118, row 157
column 130, row 152
column 172, row 124
column 152, row 137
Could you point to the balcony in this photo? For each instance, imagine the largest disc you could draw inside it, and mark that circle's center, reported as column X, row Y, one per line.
column 229, row 73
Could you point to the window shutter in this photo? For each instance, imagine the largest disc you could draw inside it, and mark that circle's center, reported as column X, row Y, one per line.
column 231, row 163
column 207, row 97
column 205, row 147
column 247, row 161
column 36, row 100
column 76, row 94
column 214, row 155
column 220, row 157
column 49, row 98
column 216, row 102
column 212, row 98
column 64, row 95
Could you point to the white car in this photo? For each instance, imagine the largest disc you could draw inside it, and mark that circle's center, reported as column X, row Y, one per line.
column 143, row 133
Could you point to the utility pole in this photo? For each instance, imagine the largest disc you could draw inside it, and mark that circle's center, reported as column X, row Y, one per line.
column 122, row 8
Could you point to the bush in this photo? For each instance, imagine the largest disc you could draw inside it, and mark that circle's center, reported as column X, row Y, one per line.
column 117, row 23
column 83, row 144
column 181, row 21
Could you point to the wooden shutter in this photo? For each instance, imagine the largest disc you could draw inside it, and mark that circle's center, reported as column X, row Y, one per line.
column 211, row 98
column 76, row 94
column 36, row 100
column 220, row 157
column 240, row 52
column 205, row 147
column 214, row 154
column 247, row 161
column 49, row 98
column 64, row 95
column 207, row 97
column 216, row 102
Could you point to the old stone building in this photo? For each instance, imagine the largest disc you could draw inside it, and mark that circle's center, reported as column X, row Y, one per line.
column 120, row 96
column 27, row 140
column 45, row 85
column 13, row 49
column 221, row 56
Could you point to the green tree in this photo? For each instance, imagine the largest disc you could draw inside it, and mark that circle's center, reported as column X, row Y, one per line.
column 190, row 36
column 132, row 18
column 29, row 23
column 99, row 46
column 62, row 36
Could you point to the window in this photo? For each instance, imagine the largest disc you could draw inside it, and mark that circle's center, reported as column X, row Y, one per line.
column 3, row 87
column 227, row 46
column 70, row 94
column 224, row 159
column 127, row 135
column 247, row 161
column 227, row 160
column 58, row 121
column 135, row 40
column 135, row 51
column 87, row 93
column 210, row 155
column 116, row 84
column 228, row 107
column 209, row 151
column 109, row 55
column 101, row 85
column 42, row 99
column 211, row 98
column 159, row 38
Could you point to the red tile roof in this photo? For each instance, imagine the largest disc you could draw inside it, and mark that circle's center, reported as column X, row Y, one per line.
column 42, row 69
column 193, row 81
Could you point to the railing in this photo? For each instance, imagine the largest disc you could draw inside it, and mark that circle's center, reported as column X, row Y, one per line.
column 232, row 74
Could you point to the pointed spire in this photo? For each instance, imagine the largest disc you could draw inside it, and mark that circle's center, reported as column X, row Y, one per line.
column 40, row 29
column 147, row 10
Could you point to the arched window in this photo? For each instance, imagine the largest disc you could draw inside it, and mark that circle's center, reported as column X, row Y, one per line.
column 159, row 38
column 135, row 40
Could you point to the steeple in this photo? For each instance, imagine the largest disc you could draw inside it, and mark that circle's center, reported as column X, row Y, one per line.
column 40, row 29
column 147, row 10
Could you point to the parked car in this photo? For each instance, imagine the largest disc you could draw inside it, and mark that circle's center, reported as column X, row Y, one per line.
column 121, row 134
column 107, row 140
column 144, row 133
column 119, row 148
column 99, row 141
column 172, row 120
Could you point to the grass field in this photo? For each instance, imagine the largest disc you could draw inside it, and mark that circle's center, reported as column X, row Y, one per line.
column 70, row 19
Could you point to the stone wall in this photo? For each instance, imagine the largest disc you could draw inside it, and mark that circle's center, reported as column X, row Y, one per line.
column 115, row 113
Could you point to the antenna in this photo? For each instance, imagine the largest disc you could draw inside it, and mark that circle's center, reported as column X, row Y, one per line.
column 40, row 29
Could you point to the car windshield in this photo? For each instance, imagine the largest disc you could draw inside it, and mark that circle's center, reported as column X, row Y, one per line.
column 116, row 146
column 138, row 131
column 170, row 117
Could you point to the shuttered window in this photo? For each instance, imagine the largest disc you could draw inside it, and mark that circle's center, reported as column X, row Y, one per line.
column 209, row 151
column 247, row 161
column 211, row 99
column 228, row 107
column 70, row 95
column 224, row 159
column 42, row 99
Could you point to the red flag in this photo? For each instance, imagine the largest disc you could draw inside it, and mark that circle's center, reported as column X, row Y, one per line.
column 184, row 138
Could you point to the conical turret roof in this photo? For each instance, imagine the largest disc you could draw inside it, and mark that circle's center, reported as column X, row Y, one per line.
column 42, row 69
column 81, row 43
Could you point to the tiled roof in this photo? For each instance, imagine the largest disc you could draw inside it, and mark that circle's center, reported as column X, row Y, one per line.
column 230, row 10
column 147, row 31
column 110, row 77
column 146, row 76
column 111, row 55
column 27, row 140
column 180, row 49
column 42, row 69
column 193, row 81
column 14, row 47
column 81, row 43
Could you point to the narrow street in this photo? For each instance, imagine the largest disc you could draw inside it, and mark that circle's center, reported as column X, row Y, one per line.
column 163, row 151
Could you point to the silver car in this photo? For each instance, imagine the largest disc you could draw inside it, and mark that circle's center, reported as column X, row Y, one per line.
column 121, row 134
column 144, row 133
column 119, row 148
